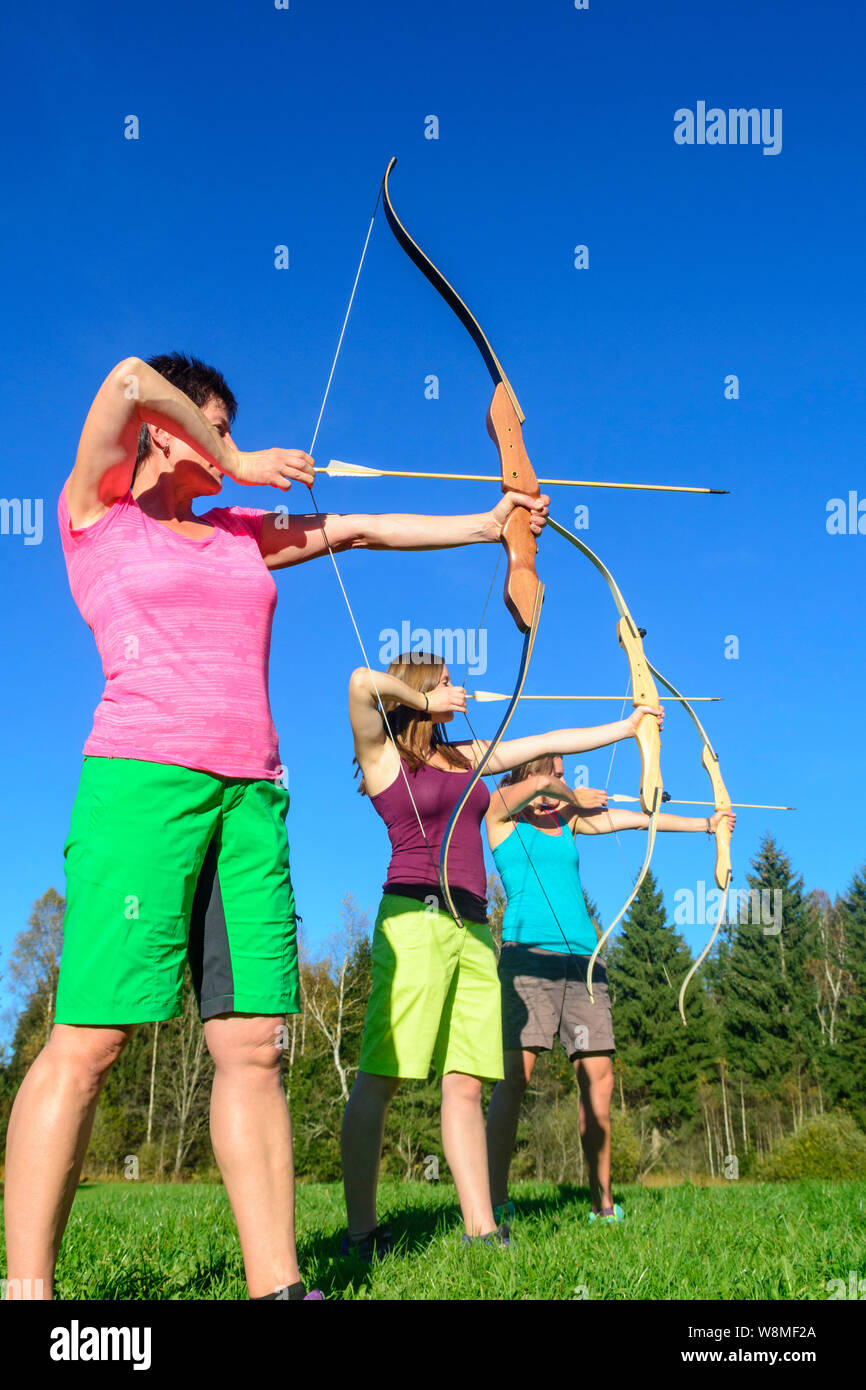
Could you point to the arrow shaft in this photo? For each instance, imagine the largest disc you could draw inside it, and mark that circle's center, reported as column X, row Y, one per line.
column 740, row 805
column 488, row 696
column 336, row 469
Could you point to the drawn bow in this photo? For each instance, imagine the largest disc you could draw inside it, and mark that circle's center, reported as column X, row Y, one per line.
column 651, row 796
column 524, row 591
column 644, row 692
column 722, row 802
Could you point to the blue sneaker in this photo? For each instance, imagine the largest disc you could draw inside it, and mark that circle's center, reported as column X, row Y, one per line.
column 608, row 1214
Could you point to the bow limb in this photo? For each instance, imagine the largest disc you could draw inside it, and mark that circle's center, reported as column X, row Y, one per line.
column 504, row 421
column 722, row 802
column 644, row 692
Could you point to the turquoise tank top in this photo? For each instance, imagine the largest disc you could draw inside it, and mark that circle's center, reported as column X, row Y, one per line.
column 533, row 911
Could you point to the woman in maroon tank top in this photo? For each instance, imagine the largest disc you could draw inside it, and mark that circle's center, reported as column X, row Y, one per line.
column 435, row 994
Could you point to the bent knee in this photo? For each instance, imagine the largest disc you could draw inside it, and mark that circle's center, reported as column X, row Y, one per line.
column 86, row 1054
column 462, row 1087
column 255, row 1045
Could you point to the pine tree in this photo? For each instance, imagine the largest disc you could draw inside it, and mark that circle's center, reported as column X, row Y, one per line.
column 657, row 1056
column 761, row 981
column 846, row 1057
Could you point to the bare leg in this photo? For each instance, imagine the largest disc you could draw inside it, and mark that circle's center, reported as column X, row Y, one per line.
column 465, row 1147
column 361, row 1143
column 503, row 1115
column 252, row 1141
column 49, row 1130
column 595, row 1078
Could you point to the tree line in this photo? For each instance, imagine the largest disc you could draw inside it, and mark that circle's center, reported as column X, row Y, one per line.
column 774, row 1043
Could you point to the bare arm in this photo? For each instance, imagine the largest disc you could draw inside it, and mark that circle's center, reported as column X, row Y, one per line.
column 133, row 394
column 515, row 751
column 602, row 821
column 292, row 539
column 506, row 803
column 377, row 757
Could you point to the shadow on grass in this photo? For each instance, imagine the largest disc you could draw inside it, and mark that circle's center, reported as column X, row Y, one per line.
column 414, row 1228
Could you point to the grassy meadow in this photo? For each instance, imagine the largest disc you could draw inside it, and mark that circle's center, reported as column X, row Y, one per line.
column 737, row 1241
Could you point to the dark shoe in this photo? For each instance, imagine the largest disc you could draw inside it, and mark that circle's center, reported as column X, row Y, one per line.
column 375, row 1245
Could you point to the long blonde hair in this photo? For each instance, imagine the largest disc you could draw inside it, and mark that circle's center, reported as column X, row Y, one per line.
column 415, row 733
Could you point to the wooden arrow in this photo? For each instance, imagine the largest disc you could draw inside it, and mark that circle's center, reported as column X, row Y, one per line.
column 486, row 696
column 337, row 469
column 740, row 805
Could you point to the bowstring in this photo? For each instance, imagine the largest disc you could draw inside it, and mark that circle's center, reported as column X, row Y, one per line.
column 320, row 519
column 619, row 843
column 515, row 825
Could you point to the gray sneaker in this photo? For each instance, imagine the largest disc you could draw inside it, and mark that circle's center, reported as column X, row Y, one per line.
column 501, row 1237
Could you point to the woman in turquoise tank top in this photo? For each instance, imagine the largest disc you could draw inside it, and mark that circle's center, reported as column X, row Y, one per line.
column 547, row 938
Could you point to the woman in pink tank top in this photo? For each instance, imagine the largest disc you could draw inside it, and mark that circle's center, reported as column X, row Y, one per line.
column 435, row 995
column 181, row 807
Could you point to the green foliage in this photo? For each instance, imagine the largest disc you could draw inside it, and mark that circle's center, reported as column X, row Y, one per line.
column 830, row 1146
column 625, row 1149
column 660, row 1060
column 111, row 1140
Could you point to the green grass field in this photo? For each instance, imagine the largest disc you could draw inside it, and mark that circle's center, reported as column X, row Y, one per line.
column 740, row 1241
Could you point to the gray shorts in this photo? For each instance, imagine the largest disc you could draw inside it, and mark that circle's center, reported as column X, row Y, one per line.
column 544, row 993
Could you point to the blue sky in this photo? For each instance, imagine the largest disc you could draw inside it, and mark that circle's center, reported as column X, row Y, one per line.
column 260, row 128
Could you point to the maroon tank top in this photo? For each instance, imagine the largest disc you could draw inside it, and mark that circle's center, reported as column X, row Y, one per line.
column 414, row 868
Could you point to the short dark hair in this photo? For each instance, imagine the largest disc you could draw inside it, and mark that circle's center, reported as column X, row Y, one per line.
column 197, row 380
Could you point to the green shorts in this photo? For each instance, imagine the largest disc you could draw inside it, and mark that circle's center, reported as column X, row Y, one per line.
column 142, row 835
column 435, row 996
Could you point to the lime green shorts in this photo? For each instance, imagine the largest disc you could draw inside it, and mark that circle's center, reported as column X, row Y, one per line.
column 435, row 996
column 164, row 861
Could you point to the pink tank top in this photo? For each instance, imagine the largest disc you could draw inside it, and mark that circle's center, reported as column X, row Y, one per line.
column 183, row 628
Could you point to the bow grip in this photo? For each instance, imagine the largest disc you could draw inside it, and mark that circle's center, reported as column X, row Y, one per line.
column 648, row 738
column 649, row 743
column 723, row 832
column 518, row 475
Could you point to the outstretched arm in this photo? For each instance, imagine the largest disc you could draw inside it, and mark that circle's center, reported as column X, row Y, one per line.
column 291, row 540
column 515, row 751
column 601, row 821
